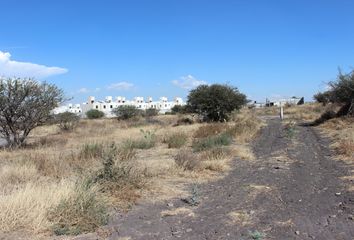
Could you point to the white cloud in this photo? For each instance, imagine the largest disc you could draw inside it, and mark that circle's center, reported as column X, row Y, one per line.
column 11, row 68
column 120, row 86
column 188, row 82
column 83, row 90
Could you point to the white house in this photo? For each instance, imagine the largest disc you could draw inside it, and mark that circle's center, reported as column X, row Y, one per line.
column 76, row 108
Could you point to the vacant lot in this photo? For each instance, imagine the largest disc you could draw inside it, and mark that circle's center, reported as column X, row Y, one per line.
column 75, row 182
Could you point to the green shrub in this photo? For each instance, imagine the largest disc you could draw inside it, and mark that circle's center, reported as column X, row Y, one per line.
column 179, row 109
column 215, row 102
column 94, row 114
column 80, row 213
column 202, row 144
column 176, row 140
column 67, row 121
column 151, row 112
column 125, row 112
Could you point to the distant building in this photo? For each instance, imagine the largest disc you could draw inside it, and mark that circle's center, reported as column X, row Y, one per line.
column 76, row 108
column 106, row 106
column 285, row 101
column 277, row 103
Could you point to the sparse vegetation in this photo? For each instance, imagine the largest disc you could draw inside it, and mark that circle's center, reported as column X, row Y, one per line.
column 256, row 235
column 176, row 140
column 209, row 130
column 147, row 141
column 63, row 172
column 91, row 150
column 187, row 160
column 82, row 212
column 223, row 139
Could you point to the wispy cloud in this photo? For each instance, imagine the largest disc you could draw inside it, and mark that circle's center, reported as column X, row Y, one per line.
column 188, row 82
column 83, row 90
column 11, row 68
column 120, row 86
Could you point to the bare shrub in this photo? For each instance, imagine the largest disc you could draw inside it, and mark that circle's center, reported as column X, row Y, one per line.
column 187, row 160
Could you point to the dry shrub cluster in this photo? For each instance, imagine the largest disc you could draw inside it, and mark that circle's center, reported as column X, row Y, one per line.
column 245, row 126
column 82, row 211
column 176, row 140
column 341, row 131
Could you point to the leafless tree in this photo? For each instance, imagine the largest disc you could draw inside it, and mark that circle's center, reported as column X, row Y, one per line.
column 24, row 105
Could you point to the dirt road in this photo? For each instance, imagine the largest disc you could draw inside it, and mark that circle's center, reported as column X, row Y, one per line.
column 293, row 190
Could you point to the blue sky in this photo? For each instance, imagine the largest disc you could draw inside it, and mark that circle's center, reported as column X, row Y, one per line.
column 165, row 47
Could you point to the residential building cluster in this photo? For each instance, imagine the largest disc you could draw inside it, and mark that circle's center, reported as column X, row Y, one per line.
column 107, row 105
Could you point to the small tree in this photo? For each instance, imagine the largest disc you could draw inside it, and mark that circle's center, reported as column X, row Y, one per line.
column 215, row 102
column 24, row 105
column 125, row 112
column 94, row 114
column 66, row 121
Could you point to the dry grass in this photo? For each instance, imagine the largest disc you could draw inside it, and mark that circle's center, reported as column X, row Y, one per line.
column 37, row 181
column 341, row 130
column 27, row 207
column 208, row 130
column 240, row 218
column 178, row 211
